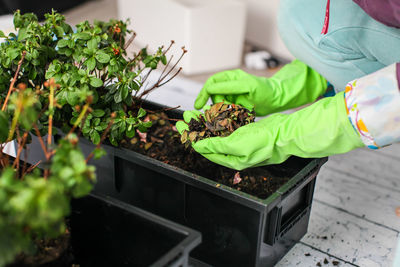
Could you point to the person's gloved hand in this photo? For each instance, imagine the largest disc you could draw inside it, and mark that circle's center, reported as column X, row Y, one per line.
column 294, row 85
column 319, row 130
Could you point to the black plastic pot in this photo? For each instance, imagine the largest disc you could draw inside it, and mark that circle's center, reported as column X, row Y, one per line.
column 107, row 232
column 237, row 229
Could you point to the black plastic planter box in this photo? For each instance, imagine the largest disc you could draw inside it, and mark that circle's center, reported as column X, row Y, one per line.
column 107, row 232
column 237, row 229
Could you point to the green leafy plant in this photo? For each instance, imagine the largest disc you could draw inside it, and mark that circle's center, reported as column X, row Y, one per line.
column 90, row 61
column 34, row 202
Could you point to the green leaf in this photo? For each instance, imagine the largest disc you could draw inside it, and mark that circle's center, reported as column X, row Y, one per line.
column 118, row 97
column 4, row 127
column 2, row 35
column 62, row 43
column 91, row 63
column 95, row 82
column 82, row 35
column 22, row 34
column 35, row 54
column 141, row 113
column 98, row 153
column 13, row 53
column 95, row 137
column 164, row 59
column 92, row 44
column 124, row 92
column 72, row 98
column 102, row 57
column 130, row 132
column 59, row 31
column 147, row 124
column 98, row 113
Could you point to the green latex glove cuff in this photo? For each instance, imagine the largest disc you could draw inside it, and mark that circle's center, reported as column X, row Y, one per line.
column 294, row 85
column 319, row 130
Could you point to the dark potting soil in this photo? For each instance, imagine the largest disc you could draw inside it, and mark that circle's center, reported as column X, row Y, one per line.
column 54, row 252
column 163, row 142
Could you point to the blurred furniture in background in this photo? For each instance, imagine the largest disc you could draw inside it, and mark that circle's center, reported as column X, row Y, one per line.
column 262, row 29
column 212, row 31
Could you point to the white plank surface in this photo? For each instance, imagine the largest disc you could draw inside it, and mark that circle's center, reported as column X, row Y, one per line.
column 392, row 150
column 350, row 238
column 378, row 168
column 359, row 197
column 303, row 255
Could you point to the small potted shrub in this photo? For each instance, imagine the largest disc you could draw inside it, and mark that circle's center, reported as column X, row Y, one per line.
column 243, row 216
column 38, row 224
column 34, row 203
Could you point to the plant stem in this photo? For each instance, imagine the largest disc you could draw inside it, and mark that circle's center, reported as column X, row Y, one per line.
column 103, row 136
column 15, row 119
column 51, row 112
column 79, row 119
column 21, row 144
column 161, row 79
column 40, row 140
column 130, row 41
column 11, row 88
column 33, row 167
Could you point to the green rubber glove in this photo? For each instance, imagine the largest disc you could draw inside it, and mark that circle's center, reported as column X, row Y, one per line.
column 319, row 130
column 294, row 85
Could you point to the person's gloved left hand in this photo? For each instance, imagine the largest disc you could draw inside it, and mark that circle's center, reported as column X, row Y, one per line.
column 319, row 130
column 294, row 85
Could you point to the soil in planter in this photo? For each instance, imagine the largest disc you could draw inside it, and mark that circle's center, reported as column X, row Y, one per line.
column 163, row 142
column 54, row 252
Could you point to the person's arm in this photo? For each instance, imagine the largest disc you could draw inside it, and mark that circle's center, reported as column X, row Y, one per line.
column 367, row 114
column 373, row 106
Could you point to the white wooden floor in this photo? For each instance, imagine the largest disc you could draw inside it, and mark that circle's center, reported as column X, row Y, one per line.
column 354, row 208
column 353, row 218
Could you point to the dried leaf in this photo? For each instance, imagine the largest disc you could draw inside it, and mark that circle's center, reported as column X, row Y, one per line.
column 201, row 134
column 208, row 116
column 134, row 140
column 224, row 107
column 153, row 117
column 193, row 136
column 184, row 137
column 147, row 145
column 237, row 179
column 223, row 123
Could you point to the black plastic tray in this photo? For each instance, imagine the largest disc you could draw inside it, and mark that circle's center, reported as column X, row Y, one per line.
column 108, row 232
column 237, row 229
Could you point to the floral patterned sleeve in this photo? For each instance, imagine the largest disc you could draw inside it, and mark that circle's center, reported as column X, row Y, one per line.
column 373, row 107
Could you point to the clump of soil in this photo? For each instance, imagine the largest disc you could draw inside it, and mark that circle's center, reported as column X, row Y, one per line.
column 220, row 120
column 163, row 142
